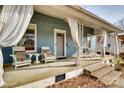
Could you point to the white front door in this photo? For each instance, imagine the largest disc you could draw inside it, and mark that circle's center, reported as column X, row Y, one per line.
column 60, row 43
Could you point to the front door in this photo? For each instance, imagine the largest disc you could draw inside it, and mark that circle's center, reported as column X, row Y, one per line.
column 60, row 43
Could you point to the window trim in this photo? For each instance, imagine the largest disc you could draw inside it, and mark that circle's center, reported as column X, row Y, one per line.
column 34, row 27
column 55, row 47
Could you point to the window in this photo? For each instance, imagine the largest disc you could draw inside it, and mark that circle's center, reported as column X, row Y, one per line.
column 29, row 39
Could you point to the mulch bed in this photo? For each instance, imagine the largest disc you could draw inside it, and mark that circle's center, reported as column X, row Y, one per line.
column 81, row 81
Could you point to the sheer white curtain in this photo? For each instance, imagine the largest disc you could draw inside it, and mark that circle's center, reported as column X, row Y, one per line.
column 81, row 37
column 105, row 43
column 117, row 44
column 1, row 26
column 15, row 20
column 73, row 24
column 105, row 39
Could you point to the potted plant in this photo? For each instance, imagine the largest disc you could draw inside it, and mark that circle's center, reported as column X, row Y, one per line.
column 116, row 63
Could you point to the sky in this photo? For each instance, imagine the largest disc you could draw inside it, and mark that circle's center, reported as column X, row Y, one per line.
column 111, row 13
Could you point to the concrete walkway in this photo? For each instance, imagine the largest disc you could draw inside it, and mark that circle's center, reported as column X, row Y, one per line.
column 120, row 81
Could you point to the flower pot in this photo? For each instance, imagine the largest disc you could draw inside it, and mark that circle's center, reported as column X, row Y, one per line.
column 118, row 69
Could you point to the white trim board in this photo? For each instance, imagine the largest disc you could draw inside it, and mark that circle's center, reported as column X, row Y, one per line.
column 55, row 49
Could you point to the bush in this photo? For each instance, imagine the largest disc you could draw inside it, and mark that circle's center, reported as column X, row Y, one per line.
column 117, row 61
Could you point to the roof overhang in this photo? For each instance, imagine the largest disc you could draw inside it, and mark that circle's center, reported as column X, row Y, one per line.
column 64, row 11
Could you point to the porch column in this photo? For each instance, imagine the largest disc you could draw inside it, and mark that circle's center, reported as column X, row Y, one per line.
column 117, row 45
column 110, row 43
column 113, row 44
column 81, row 27
column 104, row 42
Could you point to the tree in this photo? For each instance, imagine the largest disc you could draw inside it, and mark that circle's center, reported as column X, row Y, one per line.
column 120, row 23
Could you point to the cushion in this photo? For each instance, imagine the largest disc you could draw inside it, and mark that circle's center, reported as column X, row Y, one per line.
column 21, row 56
column 47, row 52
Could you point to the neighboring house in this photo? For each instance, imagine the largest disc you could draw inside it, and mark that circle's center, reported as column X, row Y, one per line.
column 117, row 43
column 121, row 43
column 49, row 27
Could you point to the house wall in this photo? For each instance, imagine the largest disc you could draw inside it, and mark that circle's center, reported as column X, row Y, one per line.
column 6, row 55
column 45, row 35
column 45, row 32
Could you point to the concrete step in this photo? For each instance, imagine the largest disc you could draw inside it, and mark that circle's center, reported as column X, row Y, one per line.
column 110, row 77
column 101, row 72
column 94, row 67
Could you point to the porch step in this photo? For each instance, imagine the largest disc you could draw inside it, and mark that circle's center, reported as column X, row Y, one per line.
column 110, row 77
column 87, row 63
column 94, row 67
column 101, row 72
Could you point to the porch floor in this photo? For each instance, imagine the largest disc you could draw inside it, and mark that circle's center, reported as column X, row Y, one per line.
column 37, row 72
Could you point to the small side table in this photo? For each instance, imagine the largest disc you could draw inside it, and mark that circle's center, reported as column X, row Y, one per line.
column 36, row 55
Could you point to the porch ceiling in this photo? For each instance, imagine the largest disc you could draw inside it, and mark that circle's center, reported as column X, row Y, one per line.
column 63, row 11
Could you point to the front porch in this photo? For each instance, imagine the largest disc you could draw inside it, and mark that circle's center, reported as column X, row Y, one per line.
column 25, row 75
column 42, row 32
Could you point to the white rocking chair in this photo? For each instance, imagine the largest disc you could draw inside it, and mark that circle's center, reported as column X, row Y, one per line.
column 48, row 54
column 20, row 57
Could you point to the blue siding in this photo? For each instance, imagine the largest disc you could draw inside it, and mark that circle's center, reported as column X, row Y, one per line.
column 45, row 27
column 6, row 55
